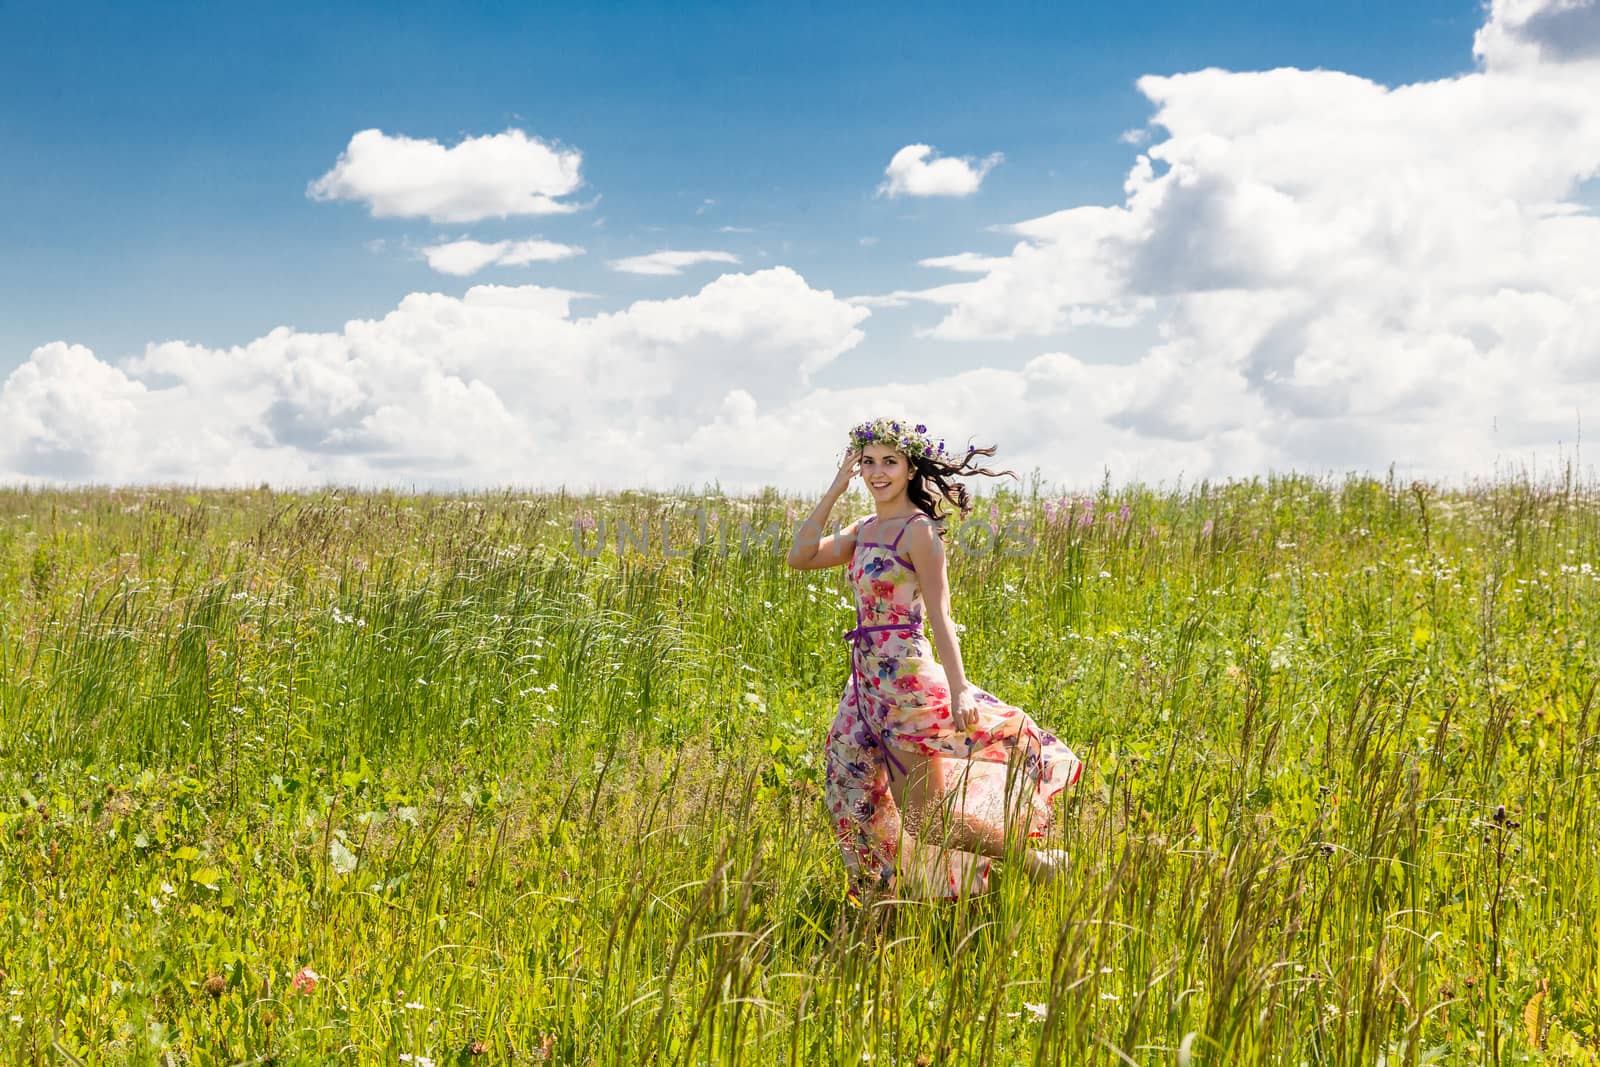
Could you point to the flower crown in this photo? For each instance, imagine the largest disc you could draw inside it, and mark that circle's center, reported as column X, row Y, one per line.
column 899, row 433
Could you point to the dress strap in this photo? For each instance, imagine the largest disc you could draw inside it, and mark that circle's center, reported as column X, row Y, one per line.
column 895, row 544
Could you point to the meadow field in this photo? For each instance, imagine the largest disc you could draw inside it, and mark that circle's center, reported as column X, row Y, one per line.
column 375, row 778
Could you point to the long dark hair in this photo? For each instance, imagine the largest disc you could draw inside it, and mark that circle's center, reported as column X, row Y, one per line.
column 930, row 483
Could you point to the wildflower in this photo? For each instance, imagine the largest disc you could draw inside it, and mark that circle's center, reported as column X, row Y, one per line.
column 305, row 980
column 1125, row 512
column 215, row 985
column 1205, row 531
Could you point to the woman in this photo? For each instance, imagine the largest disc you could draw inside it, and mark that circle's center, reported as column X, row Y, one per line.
column 929, row 777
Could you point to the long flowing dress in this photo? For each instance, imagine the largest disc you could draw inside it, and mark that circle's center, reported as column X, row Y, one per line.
column 898, row 700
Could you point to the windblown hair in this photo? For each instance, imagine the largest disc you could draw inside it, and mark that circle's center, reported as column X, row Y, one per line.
column 930, row 483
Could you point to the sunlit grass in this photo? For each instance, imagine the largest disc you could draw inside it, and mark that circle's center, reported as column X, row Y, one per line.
column 510, row 799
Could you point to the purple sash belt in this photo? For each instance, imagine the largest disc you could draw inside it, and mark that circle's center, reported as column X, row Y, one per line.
column 859, row 642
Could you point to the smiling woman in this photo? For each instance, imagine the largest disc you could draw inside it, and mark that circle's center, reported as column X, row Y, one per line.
column 929, row 777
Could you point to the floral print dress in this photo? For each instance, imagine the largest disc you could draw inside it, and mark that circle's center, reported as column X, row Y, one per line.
column 897, row 700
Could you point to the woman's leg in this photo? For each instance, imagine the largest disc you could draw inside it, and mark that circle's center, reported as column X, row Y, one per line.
column 934, row 815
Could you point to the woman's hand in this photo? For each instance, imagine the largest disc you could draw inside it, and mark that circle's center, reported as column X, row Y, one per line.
column 963, row 708
column 847, row 470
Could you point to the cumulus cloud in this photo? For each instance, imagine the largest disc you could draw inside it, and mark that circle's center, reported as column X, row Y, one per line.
column 1332, row 274
column 1521, row 33
column 669, row 262
column 64, row 415
column 494, row 176
column 912, row 173
column 503, row 385
column 1338, row 272
column 465, row 257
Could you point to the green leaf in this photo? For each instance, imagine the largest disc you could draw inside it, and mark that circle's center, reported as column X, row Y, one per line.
column 342, row 859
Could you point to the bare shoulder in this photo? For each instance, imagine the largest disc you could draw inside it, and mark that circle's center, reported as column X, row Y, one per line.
column 922, row 537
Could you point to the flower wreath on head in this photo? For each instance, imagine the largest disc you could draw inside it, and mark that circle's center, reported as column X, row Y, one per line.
column 898, row 433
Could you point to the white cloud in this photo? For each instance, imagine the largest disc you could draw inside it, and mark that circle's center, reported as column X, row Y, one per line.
column 1338, row 272
column 494, row 176
column 669, row 262
column 468, row 257
column 500, row 386
column 912, row 173
column 1331, row 274
column 969, row 262
column 1523, row 33
column 64, row 415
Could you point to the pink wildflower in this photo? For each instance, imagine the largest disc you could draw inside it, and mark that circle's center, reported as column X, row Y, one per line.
column 305, row 980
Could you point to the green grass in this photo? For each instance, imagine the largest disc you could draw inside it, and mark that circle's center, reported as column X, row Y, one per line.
column 513, row 802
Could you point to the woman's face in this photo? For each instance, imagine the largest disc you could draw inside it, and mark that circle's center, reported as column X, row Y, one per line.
column 886, row 472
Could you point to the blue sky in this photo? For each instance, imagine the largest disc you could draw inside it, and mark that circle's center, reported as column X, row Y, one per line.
column 1318, row 271
column 159, row 154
